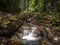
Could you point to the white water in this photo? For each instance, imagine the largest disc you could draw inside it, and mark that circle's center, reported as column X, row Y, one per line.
column 29, row 33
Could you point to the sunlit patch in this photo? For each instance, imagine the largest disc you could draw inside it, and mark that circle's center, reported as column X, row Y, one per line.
column 56, row 38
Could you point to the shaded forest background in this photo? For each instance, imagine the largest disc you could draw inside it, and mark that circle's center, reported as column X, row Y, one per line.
column 14, row 14
column 30, row 6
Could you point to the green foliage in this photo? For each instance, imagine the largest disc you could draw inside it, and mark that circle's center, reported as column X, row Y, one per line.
column 40, row 5
column 36, row 5
column 29, row 6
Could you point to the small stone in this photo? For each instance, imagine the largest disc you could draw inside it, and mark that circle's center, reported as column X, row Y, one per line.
column 56, row 39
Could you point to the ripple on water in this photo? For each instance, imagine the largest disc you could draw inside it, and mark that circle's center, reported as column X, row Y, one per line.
column 26, row 42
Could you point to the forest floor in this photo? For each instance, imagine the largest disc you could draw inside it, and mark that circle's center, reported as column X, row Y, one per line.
column 10, row 25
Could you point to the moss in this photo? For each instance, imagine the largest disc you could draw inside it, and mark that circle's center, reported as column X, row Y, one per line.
column 13, row 18
column 5, row 21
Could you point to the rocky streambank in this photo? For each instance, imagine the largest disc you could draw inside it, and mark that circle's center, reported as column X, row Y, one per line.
column 11, row 31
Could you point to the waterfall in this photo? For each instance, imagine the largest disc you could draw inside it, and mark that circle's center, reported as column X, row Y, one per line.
column 29, row 33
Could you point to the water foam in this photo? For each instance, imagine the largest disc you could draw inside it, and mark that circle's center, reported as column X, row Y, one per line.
column 30, row 35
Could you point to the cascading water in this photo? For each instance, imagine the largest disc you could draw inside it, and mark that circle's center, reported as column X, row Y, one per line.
column 29, row 34
column 29, row 37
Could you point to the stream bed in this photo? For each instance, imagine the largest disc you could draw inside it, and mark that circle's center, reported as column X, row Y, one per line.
column 29, row 38
column 26, row 42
